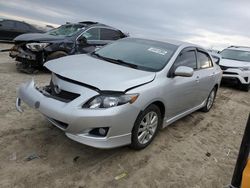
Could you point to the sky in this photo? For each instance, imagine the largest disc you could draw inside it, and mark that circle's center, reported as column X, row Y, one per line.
column 212, row 23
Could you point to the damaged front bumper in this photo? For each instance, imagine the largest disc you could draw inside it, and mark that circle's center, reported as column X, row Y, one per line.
column 26, row 56
column 19, row 53
column 76, row 122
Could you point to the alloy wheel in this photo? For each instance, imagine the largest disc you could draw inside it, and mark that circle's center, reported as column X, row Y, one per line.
column 210, row 99
column 147, row 128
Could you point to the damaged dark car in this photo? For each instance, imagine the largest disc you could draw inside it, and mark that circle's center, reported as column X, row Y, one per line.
column 32, row 50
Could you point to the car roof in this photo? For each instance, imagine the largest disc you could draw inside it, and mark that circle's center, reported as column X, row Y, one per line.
column 3, row 19
column 172, row 41
column 240, row 48
column 91, row 24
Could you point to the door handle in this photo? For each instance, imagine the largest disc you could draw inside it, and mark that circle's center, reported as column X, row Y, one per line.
column 197, row 79
column 212, row 75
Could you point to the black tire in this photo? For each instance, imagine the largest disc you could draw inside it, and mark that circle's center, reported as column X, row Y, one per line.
column 245, row 87
column 208, row 106
column 56, row 55
column 152, row 109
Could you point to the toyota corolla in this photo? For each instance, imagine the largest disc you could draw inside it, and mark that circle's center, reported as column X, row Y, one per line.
column 123, row 93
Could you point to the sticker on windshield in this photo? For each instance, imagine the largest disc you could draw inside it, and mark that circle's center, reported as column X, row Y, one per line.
column 158, row 51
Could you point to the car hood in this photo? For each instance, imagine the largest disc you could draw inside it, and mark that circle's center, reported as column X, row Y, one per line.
column 234, row 63
column 99, row 73
column 38, row 37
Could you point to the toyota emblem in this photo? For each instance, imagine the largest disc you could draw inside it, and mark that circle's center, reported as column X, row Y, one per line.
column 57, row 89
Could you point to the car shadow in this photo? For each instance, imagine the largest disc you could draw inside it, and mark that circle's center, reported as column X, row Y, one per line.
column 231, row 85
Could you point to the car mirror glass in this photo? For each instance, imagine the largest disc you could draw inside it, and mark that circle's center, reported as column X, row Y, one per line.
column 217, row 61
column 82, row 40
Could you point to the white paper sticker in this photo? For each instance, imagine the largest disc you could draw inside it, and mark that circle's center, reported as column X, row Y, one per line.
column 158, row 51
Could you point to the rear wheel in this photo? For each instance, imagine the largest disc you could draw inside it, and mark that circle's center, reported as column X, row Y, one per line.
column 146, row 127
column 210, row 100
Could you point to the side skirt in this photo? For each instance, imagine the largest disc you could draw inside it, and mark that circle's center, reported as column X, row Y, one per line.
column 183, row 114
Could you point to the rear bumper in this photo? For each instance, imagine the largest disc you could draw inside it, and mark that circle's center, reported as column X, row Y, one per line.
column 242, row 76
column 77, row 122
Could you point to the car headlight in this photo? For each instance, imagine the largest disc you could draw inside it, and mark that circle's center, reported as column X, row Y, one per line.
column 108, row 101
column 36, row 46
column 245, row 68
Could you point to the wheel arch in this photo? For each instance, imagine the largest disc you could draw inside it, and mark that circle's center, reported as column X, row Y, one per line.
column 216, row 86
column 161, row 106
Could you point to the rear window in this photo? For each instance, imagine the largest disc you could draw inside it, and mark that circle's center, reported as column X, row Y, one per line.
column 109, row 34
column 8, row 24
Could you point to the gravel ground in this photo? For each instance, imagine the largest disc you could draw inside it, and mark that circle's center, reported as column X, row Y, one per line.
column 197, row 151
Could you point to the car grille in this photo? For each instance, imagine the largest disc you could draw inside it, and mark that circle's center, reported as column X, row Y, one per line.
column 232, row 73
column 62, row 95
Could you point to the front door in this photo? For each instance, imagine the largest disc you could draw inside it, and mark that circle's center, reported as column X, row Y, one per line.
column 182, row 91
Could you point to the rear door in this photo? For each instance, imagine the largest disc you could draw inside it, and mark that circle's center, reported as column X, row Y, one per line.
column 206, row 74
column 183, row 91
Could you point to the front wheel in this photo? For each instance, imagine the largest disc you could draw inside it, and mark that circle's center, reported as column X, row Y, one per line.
column 209, row 101
column 245, row 87
column 56, row 55
column 146, row 127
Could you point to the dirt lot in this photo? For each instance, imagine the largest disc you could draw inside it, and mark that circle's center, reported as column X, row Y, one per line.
column 178, row 157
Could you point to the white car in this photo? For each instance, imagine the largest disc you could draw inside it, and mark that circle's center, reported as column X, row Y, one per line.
column 235, row 64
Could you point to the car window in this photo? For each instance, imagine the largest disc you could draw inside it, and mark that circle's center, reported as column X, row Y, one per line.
column 204, row 60
column 22, row 26
column 8, row 24
column 66, row 30
column 187, row 58
column 238, row 55
column 109, row 34
column 92, row 34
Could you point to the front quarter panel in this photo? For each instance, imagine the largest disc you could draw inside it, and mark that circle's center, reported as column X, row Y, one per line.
column 67, row 46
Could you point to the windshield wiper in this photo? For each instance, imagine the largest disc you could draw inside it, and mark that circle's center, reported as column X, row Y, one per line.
column 116, row 61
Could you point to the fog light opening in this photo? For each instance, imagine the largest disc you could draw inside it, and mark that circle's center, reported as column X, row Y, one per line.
column 101, row 131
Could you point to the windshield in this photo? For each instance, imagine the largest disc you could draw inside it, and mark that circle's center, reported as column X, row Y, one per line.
column 66, row 30
column 138, row 53
column 238, row 55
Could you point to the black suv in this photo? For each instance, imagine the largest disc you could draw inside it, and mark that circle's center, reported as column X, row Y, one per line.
column 34, row 49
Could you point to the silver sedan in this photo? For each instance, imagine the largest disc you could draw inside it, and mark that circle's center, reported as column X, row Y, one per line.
column 123, row 93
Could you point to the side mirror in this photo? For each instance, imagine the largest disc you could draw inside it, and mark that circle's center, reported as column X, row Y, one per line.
column 184, row 71
column 82, row 40
column 217, row 60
